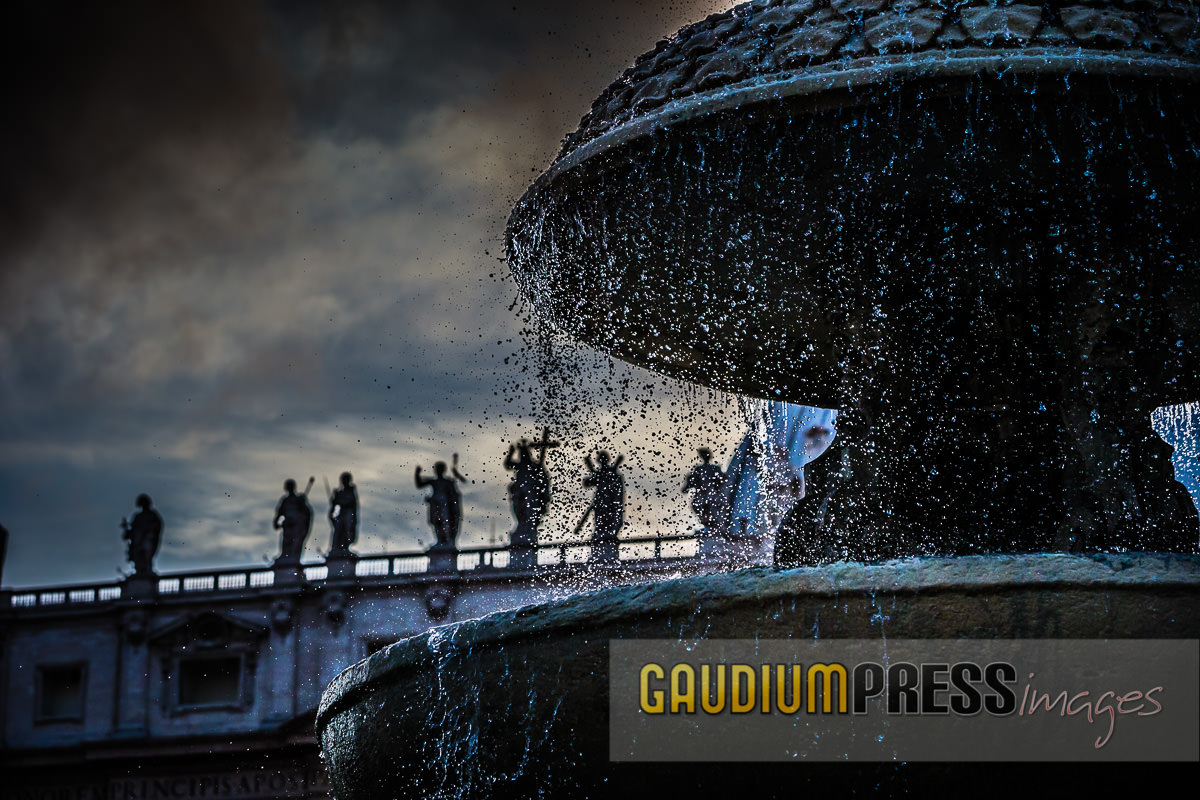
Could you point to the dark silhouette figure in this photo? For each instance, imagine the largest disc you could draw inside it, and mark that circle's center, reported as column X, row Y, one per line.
column 710, row 493
column 529, row 491
column 445, row 501
column 608, row 503
column 143, row 536
column 343, row 513
column 293, row 516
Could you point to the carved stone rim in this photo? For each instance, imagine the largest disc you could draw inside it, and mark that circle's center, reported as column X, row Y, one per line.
column 867, row 72
column 712, row 593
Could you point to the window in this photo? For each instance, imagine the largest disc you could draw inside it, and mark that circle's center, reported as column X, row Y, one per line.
column 209, row 682
column 59, row 692
column 208, row 663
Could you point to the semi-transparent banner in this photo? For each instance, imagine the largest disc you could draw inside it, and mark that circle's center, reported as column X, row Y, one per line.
column 904, row 700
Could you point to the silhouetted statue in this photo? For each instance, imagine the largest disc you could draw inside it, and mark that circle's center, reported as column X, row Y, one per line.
column 608, row 503
column 710, row 493
column 143, row 536
column 445, row 502
column 343, row 513
column 529, row 491
column 293, row 516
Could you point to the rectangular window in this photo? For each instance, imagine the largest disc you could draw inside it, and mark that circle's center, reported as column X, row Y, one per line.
column 207, row 682
column 60, row 692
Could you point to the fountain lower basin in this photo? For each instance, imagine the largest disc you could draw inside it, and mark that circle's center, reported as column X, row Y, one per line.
column 515, row 704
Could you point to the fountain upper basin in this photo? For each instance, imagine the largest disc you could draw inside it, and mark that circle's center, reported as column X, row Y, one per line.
column 740, row 216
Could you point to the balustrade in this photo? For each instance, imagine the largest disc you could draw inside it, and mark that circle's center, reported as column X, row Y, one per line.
column 567, row 554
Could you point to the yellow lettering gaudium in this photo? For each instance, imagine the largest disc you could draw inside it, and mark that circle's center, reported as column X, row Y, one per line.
column 652, row 701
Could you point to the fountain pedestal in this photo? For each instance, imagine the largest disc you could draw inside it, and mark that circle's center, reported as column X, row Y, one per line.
column 931, row 480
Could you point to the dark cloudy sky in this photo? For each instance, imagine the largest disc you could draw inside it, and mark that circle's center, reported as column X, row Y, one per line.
column 242, row 241
column 245, row 241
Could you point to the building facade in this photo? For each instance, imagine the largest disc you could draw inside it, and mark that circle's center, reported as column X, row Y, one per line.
column 205, row 684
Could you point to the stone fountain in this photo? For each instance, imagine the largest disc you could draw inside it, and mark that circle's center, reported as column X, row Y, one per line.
column 969, row 226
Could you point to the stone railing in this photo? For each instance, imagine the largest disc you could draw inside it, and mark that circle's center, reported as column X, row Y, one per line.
column 217, row 581
column 67, row 595
column 381, row 567
column 630, row 550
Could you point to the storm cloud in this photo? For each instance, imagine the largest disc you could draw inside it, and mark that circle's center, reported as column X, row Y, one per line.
column 241, row 242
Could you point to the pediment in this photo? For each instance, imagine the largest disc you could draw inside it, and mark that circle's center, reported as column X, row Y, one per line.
column 207, row 630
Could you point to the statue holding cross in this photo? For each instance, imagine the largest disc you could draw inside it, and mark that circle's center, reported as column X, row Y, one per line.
column 529, row 491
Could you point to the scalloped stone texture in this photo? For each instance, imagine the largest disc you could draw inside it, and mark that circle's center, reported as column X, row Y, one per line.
column 764, row 40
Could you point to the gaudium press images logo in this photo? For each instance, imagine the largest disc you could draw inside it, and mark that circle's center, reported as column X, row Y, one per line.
column 910, row 700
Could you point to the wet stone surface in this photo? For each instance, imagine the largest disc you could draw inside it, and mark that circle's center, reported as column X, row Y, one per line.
column 790, row 35
column 516, row 704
